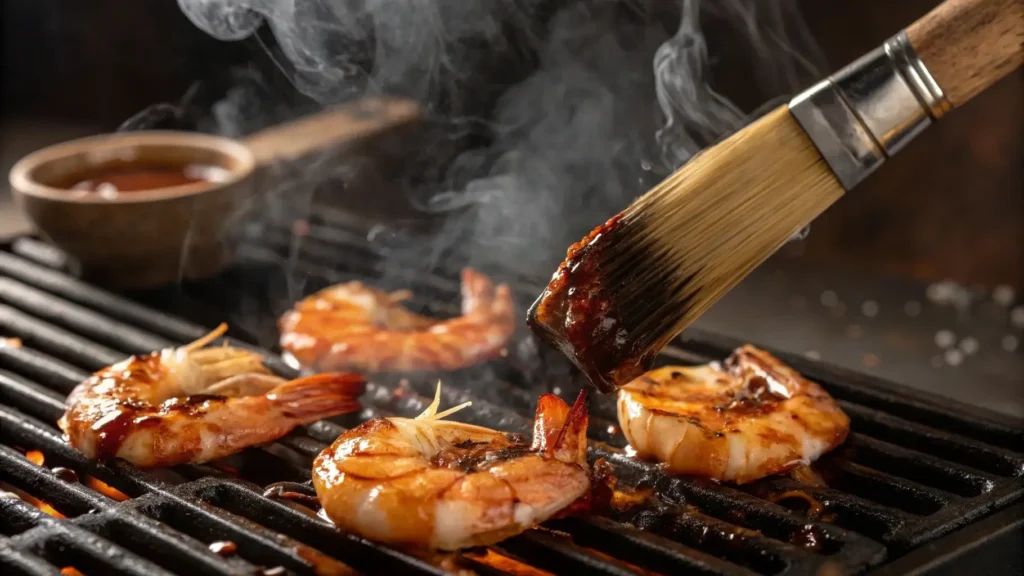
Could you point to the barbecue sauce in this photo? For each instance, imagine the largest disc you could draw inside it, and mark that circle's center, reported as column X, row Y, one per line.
column 576, row 315
column 110, row 181
column 127, row 414
column 223, row 548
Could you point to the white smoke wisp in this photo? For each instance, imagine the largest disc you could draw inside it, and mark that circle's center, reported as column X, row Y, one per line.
column 327, row 43
column 610, row 102
column 784, row 57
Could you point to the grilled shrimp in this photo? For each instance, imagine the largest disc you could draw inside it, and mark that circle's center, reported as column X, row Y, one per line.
column 754, row 417
column 192, row 404
column 352, row 326
column 446, row 485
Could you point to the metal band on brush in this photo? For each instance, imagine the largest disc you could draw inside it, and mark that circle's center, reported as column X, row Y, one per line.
column 870, row 109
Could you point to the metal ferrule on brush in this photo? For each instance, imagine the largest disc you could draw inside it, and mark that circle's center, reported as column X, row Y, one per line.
column 870, row 109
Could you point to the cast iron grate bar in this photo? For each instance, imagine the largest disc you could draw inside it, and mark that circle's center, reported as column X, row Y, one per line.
column 188, row 508
column 696, row 518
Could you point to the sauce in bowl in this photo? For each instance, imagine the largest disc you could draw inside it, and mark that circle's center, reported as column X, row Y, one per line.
column 110, row 181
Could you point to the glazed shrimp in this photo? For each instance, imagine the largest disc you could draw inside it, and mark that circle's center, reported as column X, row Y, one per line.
column 191, row 404
column 753, row 418
column 436, row 484
column 352, row 326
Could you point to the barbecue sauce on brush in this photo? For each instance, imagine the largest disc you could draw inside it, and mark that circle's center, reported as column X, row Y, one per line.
column 575, row 314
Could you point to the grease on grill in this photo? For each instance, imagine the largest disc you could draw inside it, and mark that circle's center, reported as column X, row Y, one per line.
column 65, row 474
column 574, row 313
column 807, row 475
column 814, row 509
column 322, row 564
column 292, row 491
column 807, row 537
column 223, row 548
column 626, row 498
column 275, row 571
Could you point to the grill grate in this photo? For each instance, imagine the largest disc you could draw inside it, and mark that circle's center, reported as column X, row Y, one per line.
column 913, row 470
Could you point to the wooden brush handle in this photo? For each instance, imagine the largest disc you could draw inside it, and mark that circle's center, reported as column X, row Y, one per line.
column 347, row 123
column 968, row 45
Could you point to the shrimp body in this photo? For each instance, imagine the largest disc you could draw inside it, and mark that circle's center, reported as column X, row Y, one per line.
column 753, row 418
column 194, row 405
column 352, row 326
column 445, row 485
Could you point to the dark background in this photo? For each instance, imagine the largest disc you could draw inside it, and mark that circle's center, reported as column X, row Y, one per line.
column 950, row 206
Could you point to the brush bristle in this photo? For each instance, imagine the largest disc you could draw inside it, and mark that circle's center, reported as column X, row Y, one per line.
column 674, row 252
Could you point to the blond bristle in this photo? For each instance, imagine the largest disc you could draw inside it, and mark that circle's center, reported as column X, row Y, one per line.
column 720, row 216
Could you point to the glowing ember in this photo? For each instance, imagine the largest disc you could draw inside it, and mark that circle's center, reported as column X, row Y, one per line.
column 36, row 457
column 70, row 571
column 503, row 563
column 10, row 342
column 105, row 489
column 43, row 506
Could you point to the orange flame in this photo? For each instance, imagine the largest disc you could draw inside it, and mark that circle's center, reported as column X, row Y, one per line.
column 36, row 457
column 504, row 563
column 31, row 500
column 105, row 489
column 70, row 571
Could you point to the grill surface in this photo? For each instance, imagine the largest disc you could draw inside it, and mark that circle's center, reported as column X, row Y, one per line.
column 913, row 470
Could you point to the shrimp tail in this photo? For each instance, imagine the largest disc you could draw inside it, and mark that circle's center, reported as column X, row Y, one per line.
column 319, row 396
column 559, row 431
column 571, row 445
column 548, row 422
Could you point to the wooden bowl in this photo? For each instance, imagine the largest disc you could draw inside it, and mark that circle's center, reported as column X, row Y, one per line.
column 157, row 236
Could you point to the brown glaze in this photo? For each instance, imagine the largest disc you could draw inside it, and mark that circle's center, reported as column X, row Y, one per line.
column 223, row 548
column 469, row 456
column 692, row 419
column 575, row 313
column 126, row 413
column 389, row 480
column 112, row 432
column 138, row 399
column 65, row 474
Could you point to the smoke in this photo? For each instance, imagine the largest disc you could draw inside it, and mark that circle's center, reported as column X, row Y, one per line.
column 782, row 55
column 559, row 112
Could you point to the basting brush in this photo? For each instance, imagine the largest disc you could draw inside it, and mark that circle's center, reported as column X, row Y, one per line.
column 636, row 281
